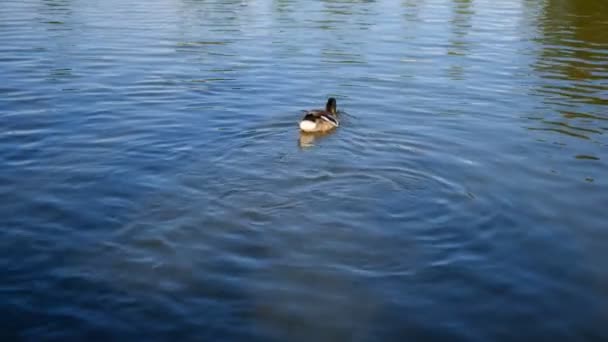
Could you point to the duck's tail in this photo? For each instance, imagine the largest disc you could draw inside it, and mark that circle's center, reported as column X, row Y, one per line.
column 308, row 126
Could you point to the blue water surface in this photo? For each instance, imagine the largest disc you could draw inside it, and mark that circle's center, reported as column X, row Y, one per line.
column 154, row 185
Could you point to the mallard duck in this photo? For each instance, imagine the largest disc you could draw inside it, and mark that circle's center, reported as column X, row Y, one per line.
column 321, row 120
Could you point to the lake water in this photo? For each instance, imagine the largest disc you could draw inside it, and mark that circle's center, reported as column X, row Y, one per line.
column 154, row 185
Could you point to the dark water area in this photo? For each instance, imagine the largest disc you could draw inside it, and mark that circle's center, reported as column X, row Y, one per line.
column 154, row 185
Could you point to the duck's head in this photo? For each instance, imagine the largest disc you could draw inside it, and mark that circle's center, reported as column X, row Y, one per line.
column 331, row 105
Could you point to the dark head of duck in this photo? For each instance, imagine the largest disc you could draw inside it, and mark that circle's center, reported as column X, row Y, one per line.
column 330, row 107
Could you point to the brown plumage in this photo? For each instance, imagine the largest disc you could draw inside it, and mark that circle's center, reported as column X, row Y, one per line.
column 321, row 120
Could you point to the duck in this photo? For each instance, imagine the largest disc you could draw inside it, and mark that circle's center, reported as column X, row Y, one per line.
column 318, row 120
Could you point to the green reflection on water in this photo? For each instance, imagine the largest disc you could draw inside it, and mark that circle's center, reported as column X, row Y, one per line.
column 572, row 65
column 583, row 156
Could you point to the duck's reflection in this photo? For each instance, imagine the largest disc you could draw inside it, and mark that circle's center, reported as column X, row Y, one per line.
column 307, row 140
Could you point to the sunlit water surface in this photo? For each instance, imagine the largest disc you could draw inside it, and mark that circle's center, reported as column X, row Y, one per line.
column 153, row 184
